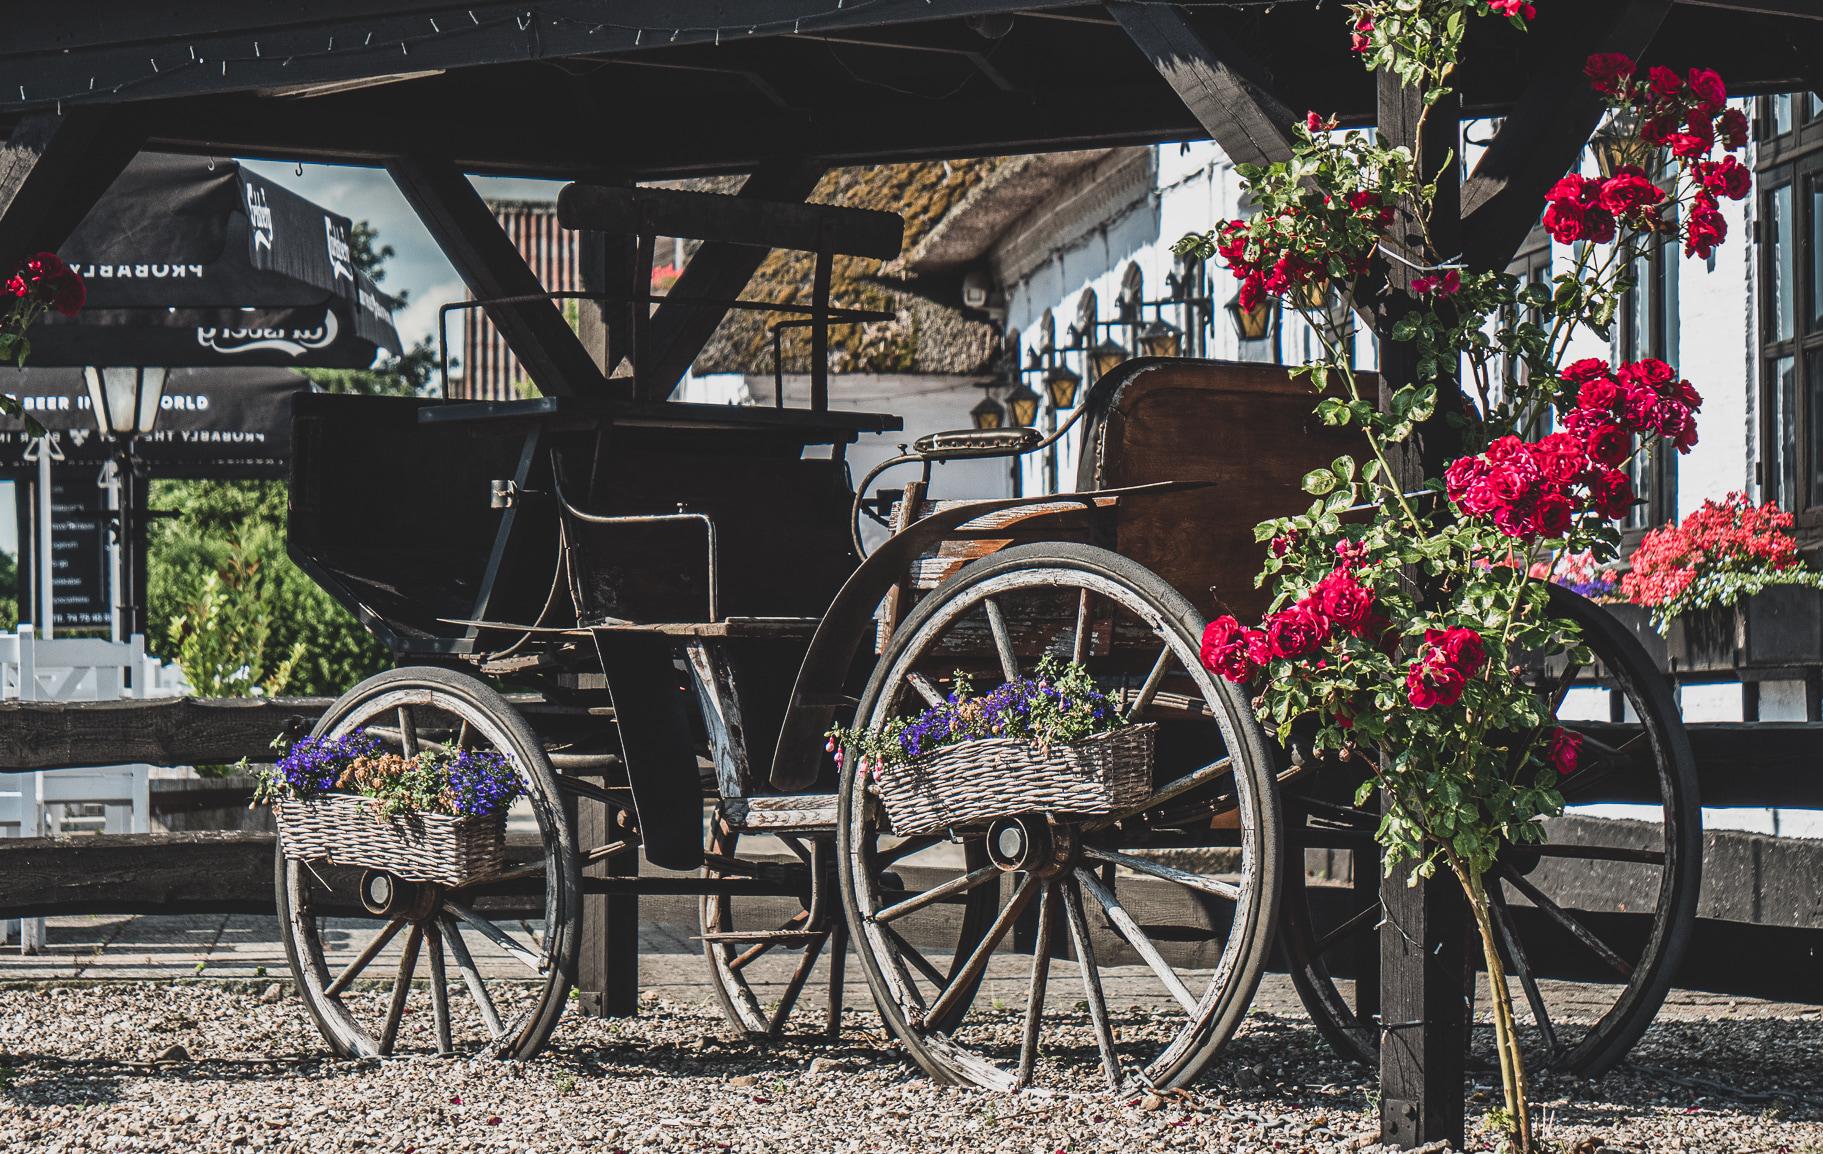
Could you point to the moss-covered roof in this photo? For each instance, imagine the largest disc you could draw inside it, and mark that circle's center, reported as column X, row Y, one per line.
column 926, row 337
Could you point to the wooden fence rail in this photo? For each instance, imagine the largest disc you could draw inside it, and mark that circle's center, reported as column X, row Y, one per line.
column 158, row 731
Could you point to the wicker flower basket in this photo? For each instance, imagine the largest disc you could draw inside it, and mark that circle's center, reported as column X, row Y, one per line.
column 421, row 847
column 974, row 781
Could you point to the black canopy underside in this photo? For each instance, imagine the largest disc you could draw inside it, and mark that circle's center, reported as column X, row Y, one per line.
column 661, row 88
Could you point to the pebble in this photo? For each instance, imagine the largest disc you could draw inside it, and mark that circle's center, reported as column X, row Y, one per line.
column 253, row 1074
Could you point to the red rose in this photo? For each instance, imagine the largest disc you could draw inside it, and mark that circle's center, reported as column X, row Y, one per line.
column 1359, row 41
column 1507, row 450
column 1733, row 129
column 1350, row 553
column 1296, row 631
column 1259, row 646
column 1612, row 494
column 1704, row 226
column 1598, row 225
column 1686, row 440
column 1565, row 750
column 1513, row 9
column 1648, row 371
column 1458, row 646
column 1344, row 600
column 1725, row 177
column 1609, row 445
column 1281, row 545
column 1553, row 515
column 1629, row 194
column 1587, row 369
column 1502, row 485
column 1710, row 92
column 1598, row 395
column 1313, row 122
column 1560, row 457
column 1515, row 521
column 1609, row 72
column 1433, row 686
column 1224, row 649
column 1686, row 392
column 1664, row 81
column 1696, row 139
column 1639, row 408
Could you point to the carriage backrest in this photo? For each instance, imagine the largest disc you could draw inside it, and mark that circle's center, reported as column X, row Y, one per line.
column 1249, row 428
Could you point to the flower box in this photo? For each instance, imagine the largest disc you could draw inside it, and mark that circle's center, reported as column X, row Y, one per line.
column 987, row 778
column 1780, row 627
column 347, row 830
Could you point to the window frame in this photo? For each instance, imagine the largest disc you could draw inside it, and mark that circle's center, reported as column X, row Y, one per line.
column 1793, row 160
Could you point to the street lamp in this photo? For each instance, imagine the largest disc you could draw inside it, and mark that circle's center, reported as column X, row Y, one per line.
column 988, row 414
column 1022, row 405
column 1253, row 324
column 1106, row 357
column 1619, row 145
column 126, row 402
column 1161, row 338
column 1061, row 383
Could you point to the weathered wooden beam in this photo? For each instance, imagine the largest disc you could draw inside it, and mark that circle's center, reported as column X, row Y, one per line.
column 206, row 872
column 492, row 268
column 53, row 168
column 719, row 217
column 1228, row 93
column 160, row 731
column 1423, row 1020
column 718, row 271
column 1543, row 136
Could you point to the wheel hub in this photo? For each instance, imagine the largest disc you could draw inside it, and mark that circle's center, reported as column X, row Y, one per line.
column 1030, row 845
column 386, row 896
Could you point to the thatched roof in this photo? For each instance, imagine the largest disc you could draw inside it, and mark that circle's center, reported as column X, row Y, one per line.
column 927, row 337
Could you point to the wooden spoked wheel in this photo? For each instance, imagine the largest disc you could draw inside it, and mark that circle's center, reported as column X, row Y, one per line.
column 1592, row 924
column 762, row 952
column 1167, row 910
column 494, row 962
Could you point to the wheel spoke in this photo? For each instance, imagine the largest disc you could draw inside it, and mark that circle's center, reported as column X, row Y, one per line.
column 796, row 986
column 471, row 977
column 439, row 990
column 1136, row 937
column 1041, row 970
column 1509, row 937
column 498, row 936
column 1348, row 929
column 962, row 982
column 408, row 733
column 937, row 893
column 1208, row 885
column 1173, row 789
column 1079, row 649
column 1091, row 982
column 746, row 957
column 1559, row 915
column 838, row 972
column 1003, row 639
column 918, row 962
column 1599, row 853
column 368, row 954
column 401, row 987
column 1154, row 679
column 925, row 689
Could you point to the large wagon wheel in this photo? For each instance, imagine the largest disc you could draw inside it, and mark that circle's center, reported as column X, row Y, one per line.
column 1573, row 905
column 337, row 922
column 1198, row 860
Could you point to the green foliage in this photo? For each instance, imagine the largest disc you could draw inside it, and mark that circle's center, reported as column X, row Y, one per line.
column 223, row 639
column 227, row 527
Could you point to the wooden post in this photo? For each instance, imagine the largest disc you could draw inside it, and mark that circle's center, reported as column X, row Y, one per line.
column 1423, row 1023
column 607, row 958
column 53, row 168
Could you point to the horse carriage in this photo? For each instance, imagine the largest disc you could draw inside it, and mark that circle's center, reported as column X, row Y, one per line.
column 656, row 611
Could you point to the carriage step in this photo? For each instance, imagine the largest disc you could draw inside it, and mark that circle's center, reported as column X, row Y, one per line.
column 782, row 937
column 799, row 812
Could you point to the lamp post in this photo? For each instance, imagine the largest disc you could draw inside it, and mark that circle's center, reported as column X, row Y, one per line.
column 126, row 404
column 988, row 414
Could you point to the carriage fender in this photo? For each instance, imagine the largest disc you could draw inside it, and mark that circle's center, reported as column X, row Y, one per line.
column 817, row 696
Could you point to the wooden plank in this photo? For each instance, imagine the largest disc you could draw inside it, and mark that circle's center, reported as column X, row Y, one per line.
column 207, row 872
column 1227, row 92
column 1543, row 136
column 718, row 271
column 729, row 219
column 489, row 264
column 1423, row 1032
column 160, row 731
column 53, row 169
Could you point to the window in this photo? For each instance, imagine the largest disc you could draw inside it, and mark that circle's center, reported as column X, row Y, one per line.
column 1533, row 267
column 1790, row 180
column 1647, row 327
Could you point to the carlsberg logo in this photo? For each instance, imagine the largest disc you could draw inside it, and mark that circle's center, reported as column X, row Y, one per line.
column 259, row 217
column 338, row 249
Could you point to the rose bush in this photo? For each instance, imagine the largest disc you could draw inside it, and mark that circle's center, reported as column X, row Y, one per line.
column 1403, row 622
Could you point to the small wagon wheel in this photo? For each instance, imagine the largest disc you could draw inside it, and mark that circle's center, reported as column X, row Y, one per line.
column 510, row 941
column 1633, row 810
column 1170, row 903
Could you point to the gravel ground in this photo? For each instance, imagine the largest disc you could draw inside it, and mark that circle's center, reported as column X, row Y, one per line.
column 81, row 1071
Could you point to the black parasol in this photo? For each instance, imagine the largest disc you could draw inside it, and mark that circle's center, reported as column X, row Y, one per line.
column 192, row 262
